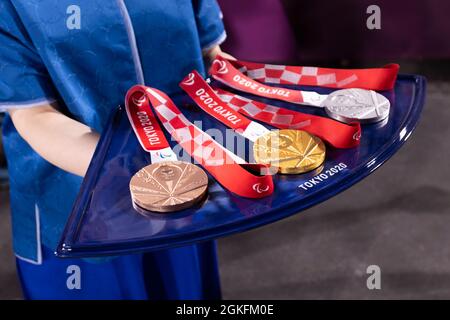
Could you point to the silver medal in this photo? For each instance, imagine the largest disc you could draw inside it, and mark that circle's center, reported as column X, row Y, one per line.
column 357, row 105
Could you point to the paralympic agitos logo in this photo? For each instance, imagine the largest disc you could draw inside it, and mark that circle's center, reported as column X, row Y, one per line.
column 222, row 66
column 260, row 188
column 139, row 101
column 163, row 155
column 189, row 79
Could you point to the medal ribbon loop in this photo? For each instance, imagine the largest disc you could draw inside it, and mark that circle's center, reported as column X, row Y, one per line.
column 222, row 70
column 335, row 133
column 222, row 164
column 205, row 97
column 371, row 78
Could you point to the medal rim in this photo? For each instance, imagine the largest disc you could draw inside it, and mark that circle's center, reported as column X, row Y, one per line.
column 290, row 169
column 172, row 207
column 337, row 116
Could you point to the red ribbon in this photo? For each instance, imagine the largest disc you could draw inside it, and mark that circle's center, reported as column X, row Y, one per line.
column 337, row 134
column 372, row 78
column 142, row 119
column 218, row 161
column 197, row 88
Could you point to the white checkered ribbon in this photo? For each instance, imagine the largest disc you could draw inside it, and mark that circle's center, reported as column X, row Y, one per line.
column 335, row 133
column 371, row 78
column 222, row 164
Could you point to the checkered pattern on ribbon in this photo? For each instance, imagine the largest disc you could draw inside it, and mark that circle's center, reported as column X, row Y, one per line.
column 278, row 117
column 201, row 146
column 222, row 164
column 337, row 134
column 373, row 78
column 270, row 73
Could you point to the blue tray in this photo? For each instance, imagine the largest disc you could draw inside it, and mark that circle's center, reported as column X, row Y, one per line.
column 104, row 222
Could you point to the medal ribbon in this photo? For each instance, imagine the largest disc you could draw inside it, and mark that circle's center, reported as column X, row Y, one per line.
column 372, row 79
column 225, row 72
column 223, row 165
column 337, row 134
column 205, row 97
column 146, row 128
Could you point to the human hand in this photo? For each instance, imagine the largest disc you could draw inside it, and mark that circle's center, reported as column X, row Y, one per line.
column 211, row 54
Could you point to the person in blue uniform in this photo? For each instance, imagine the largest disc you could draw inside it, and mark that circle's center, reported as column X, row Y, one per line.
column 64, row 65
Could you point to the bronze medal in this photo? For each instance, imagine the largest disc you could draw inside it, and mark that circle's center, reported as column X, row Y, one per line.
column 168, row 186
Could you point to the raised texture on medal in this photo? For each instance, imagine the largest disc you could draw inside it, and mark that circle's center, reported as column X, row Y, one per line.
column 168, row 186
column 357, row 105
column 291, row 151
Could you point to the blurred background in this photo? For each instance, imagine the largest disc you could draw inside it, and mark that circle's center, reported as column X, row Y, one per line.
column 397, row 218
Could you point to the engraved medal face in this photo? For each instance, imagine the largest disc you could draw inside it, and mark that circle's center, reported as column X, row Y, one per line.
column 357, row 105
column 168, row 186
column 291, row 151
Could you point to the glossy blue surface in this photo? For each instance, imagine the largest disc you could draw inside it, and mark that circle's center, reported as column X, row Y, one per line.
column 103, row 221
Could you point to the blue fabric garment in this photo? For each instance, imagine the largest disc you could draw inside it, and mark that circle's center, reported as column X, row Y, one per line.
column 188, row 273
column 88, row 71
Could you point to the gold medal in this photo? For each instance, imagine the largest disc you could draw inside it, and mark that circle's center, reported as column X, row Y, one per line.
column 291, row 151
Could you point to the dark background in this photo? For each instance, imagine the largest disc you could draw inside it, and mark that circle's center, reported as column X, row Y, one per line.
column 335, row 31
column 397, row 218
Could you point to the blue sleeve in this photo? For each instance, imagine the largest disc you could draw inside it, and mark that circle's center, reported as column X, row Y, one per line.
column 24, row 80
column 209, row 23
